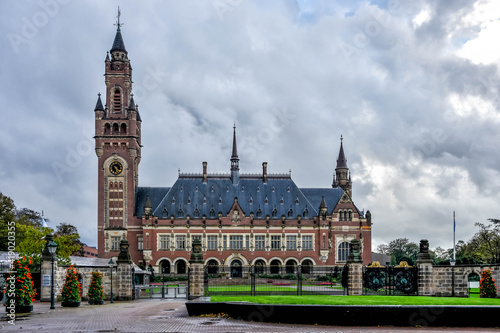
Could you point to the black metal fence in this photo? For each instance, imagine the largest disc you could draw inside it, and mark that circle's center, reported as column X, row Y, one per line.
column 274, row 280
column 390, row 280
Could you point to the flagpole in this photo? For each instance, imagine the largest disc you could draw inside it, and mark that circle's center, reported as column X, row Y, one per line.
column 454, row 227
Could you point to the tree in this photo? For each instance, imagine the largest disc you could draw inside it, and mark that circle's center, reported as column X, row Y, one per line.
column 29, row 217
column 66, row 229
column 485, row 244
column 7, row 220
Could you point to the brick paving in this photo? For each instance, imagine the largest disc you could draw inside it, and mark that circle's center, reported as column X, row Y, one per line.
column 157, row 315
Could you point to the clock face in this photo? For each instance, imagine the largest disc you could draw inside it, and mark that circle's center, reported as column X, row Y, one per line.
column 115, row 168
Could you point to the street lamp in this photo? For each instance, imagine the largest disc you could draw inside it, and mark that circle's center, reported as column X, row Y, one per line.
column 452, row 263
column 52, row 246
column 162, row 281
column 111, row 264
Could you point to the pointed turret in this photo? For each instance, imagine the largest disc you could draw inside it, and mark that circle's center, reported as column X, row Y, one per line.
column 235, row 161
column 323, row 209
column 342, row 177
column 341, row 160
column 131, row 104
column 147, row 208
column 98, row 105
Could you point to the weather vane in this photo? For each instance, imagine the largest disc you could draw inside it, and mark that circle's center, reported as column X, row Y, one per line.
column 118, row 24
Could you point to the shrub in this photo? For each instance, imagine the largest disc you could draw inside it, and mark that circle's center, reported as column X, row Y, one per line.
column 72, row 288
column 487, row 288
column 96, row 291
column 24, row 293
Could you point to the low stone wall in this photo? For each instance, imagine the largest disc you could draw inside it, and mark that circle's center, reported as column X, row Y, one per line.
column 442, row 281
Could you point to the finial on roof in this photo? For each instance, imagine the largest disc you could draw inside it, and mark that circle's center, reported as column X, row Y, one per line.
column 118, row 24
column 118, row 44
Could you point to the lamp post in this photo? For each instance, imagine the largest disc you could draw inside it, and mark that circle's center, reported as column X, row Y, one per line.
column 111, row 264
column 162, row 281
column 52, row 246
column 452, row 263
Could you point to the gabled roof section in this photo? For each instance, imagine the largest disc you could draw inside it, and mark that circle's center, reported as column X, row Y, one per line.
column 155, row 195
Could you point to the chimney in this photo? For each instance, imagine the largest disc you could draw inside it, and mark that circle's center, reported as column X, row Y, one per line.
column 205, row 172
column 264, row 172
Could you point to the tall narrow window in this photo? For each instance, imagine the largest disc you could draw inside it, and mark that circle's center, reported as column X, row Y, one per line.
column 212, row 242
column 117, row 101
column 139, row 243
column 307, row 243
column 164, row 241
column 291, row 242
column 181, row 242
column 343, row 252
column 260, row 242
column 115, row 243
column 275, row 242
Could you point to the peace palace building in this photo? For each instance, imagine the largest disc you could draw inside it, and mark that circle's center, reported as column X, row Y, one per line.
column 241, row 219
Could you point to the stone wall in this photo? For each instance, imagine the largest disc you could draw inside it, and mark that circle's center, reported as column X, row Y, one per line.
column 442, row 278
column 122, row 280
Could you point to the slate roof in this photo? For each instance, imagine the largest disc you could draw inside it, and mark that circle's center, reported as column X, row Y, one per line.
column 98, row 105
column 191, row 196
column 118, row 44
column 341, row 160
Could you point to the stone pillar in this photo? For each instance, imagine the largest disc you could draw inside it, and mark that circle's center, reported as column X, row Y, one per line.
column 46, row 269
column 123, row 273
column 196, row 272
column 425, row 270
column 355, row 270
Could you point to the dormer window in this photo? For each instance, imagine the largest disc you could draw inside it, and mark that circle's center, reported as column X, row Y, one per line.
column 212, row 212
column 259, row 213
column 275, row 212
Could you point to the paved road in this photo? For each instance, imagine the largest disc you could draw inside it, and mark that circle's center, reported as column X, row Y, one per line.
column 157, row 315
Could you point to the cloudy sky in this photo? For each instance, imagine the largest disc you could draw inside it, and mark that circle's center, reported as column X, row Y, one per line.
column 411, row 85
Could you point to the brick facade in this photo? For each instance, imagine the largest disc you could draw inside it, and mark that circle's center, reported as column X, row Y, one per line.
column 247, row 218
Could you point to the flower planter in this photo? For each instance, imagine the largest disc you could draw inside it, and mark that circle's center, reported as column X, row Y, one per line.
column 96, row 301
column 21, row 309
column 70, row 304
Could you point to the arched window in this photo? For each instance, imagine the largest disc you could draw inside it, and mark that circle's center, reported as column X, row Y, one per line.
column 236, row 268
column 196, row 212
column 290, row 212
column 116, row 129
column 290, row 266
column 117, row 101
column 165, row 267
column 213, row 266
column 181, row 267
column 305, row 213
column 107, row 128
column 259, row 213
column 212, row 212
column 275, row 266
column 307, row 266
column 343, row 251
column 180, row 213
column 123, row 129
column 260, row 266
column 350, row 215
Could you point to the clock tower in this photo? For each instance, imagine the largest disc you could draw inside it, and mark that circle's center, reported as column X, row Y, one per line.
column 118, row 149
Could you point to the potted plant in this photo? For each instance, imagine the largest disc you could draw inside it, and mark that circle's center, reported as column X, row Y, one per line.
column 96, row 292
column 20, row 293
column 71, row 290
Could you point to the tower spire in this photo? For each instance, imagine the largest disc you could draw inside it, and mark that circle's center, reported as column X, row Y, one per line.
column 118, row 44
column 235, row 161
column 342, row 177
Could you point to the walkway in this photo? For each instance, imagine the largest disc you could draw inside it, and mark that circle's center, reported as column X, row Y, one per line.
column 160, row 315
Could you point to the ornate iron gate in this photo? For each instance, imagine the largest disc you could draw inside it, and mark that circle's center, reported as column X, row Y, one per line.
column 390, row 280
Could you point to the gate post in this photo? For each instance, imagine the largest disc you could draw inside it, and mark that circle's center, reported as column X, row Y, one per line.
column 124, row 278
column 424, row 265
column 196, row 281
column 355, row 270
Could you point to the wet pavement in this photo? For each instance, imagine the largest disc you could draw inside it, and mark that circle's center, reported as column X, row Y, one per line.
column 162, row 315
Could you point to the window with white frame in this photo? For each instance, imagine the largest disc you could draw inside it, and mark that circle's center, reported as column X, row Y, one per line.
column 180, row 242
column 276, row 242
column 343, row 251
column 260, row 242
column 212, row 242
column 236, row 242
column 115, row 243
column 291, row 242
column 164, row 242
column 140, row 243
column 307, row 242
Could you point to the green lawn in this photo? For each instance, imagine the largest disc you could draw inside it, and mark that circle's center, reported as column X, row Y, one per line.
column 359, row 300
